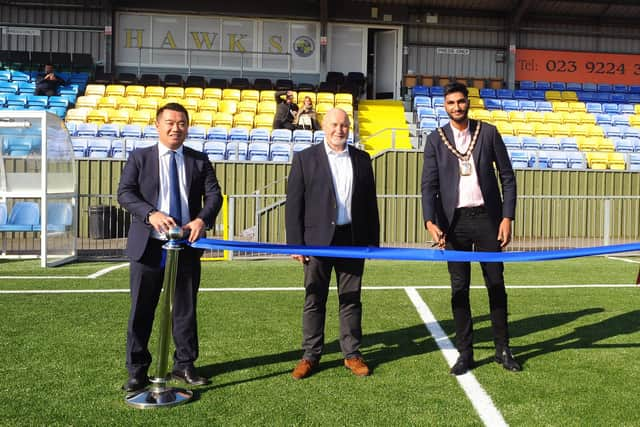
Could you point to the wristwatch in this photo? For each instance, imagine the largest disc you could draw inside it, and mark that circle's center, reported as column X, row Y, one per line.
column 151, row 212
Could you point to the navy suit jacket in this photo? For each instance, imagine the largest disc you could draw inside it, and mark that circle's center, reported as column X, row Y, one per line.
column 311, row 209
column 140, row 186
column 441, row 176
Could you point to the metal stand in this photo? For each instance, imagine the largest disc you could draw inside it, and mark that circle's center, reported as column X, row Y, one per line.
column 159, row 395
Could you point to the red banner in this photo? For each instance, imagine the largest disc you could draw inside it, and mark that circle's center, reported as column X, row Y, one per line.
column 581, row 67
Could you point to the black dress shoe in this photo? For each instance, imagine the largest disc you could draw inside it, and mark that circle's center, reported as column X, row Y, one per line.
column 505, row 358
column 189, row 376
column 463, row 364
column 134, row 384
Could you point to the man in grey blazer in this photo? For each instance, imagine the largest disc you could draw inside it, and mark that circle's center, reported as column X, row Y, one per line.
column 331, row 200
column 145, row 191
column 464, row 209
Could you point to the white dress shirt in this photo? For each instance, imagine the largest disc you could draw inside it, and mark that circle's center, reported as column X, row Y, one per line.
column 342, row 175
column 164, row 156
column 469, row 193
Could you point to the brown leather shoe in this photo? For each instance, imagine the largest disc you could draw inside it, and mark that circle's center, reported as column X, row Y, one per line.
column 303, row 369
column 357, row 366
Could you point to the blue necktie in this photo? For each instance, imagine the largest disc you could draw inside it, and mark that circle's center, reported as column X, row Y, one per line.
column 175, row 207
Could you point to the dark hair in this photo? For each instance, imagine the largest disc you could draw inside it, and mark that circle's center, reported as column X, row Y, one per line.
column 173, row 106
column 456, row 87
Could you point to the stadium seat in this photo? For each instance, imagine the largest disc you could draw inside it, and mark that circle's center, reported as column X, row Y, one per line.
column 109, row 130
column 318, row 137
column 258, row 151
column 557, row 160
column 87, row 129
column 576, row 160
column 244, row 120
column 115, row 90
column 134, row 90
column 194, row 143
column 633, row 161
column 263, row 121
column 526, row 84
column 504, row 93
column 512, row 142
column 510, row 104
column 492, row 104
column 527, row 105
column 301, row 135
column 487, row 93
column 23, row 217
column 259, row 134
column 231, row 94
column 238, row 134
column 520, row 159
column 543, row 106
column 281, row 135
column 150, row 132
column 281, row 151
column 236, row 150
column 202, row 118
column 249, row 95
column 549, row 144
column 537, row 95
column 223, row 120
column 198, row 132
column 131, row 131
column 626, row 109
column 215, row 150
column 95, row 90
column 174, row 92
column 99, row 148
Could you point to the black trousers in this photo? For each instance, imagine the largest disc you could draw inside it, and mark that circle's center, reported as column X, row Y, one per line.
column 317, row 275
column 146, row 278
column 472, row 229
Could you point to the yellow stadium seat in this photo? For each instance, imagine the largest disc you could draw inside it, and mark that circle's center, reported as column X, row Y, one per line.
column 534, row 117
column 474, row 92
column 148, row 104
column 576, row 106
column 114, row 90
column 517, row 116
column 88, row 101
column 617, row 161
column 76, row 115
column 523, row 129
column 553, row 117
column 94, row 90
column 322, row 107
column 109, row 102
column 637, row 108
column 634, row 119
column 98, row 117
column 203, row 118
column 597, row 160
column 263, row 121
column 208, row 104
column 573, row 129
column 223, row 120
column 267, row 107
column 268, row 95
column 505, row 128
column 553, row 95
column 500, row 115
column 543, row 129
column 559, row 106
column 586, row 118
column 174, row 92
column 481, row 114
column 243, row 120
column 170, row 100
column 569, row 117
column 154, row 91
column 250, row 95
column 325, row 97
column 228, row 106
column 588, row 143
column 303, row 94
column 212, row 93
column 344, row 98
column 128, row 103
column 193, row 92
column 119, row 116
column 476, row 103
column 248, row 106
column 594, row 130
column 142, row 117
column 231, row 94
column 189, row 103
column 606, row 145
column 134, row 90
column 569, row 95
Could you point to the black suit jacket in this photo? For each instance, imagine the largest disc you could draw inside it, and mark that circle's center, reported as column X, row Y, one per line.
column 311, row 209
column 441, row 176
column 140, row 186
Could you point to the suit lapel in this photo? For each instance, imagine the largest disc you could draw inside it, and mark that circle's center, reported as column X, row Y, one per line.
column 323, row 160
column 189, row 167
column 477, row 151
column 154, row 173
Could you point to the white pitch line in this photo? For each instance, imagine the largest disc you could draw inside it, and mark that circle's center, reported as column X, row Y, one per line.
column 66, row 291
column 633, row 261
column 481, row 401
column 107, row 270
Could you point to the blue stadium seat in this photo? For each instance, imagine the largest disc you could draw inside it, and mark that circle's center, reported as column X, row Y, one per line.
column 281, row 135
column 576, row 160
column 150, row 131
column 443, row 121
column 23, row 217
column 542, row 160
column 21, row 76
column 626, row 109
column 623, row 145
column 259, row 134
column 236, row 150
column 527, row 105
column 437, row 101
column 144, row 143
column 87, row 129
column 441, row 112
column 428, row 124
column 630, row 132
column 258, row 151
column 557, row 160
column 527, row 84
column 99, row 148
column 568, row 144
column 594, row 107
column 549, row 144
column 13, row 100
column 586, row 96
column 215, row 150
column 610, row 108
column 510, row 105
column 487, row 93
column 194, row 143
column 109, row 130
column 512, row 142
column 521, row 159
column 602, row 97
column 197, row 132
column 521, row 94
column 619, row 119
column 58, row 101
column 537, row 95
column 217, row 134
column 604, row 87
column 10, row 88
column 302, row 135
column 619, row 98
column 589, row 87
column 504, row 93
column 543, row 106
column 3, row 213
column 437, row 91
column 603, row 119
column 530, row 143
column 575, row 87
column 633, row 98
column 558, row 86
column 421, row 101
column 20, row 145
column 59, row 217
column 492, row 104
column 299, row 146
column 5, row 76
column 281, row 151
column 634, row 88
column 425, row 112
column 131, row 131
column 542, row 85
column 633, row 161
column 80, row 146
column 420, row 91
column 239, row 134
column 318, row 136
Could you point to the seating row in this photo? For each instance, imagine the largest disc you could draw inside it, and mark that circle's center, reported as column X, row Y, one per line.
column 574, row 160
column 619, row 145
column 575, row 86
column 25, row 217
column 35, row 60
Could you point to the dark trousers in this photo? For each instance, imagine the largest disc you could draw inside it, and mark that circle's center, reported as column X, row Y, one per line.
column 317, row 274
column 472, row 229
column 146, row 278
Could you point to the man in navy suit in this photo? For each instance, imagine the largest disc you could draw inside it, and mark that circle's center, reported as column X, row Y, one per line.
column 331, row 200
column 145, row 191
column 464, row 210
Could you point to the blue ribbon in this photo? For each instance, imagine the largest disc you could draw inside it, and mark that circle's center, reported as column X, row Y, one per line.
column 410, row 254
